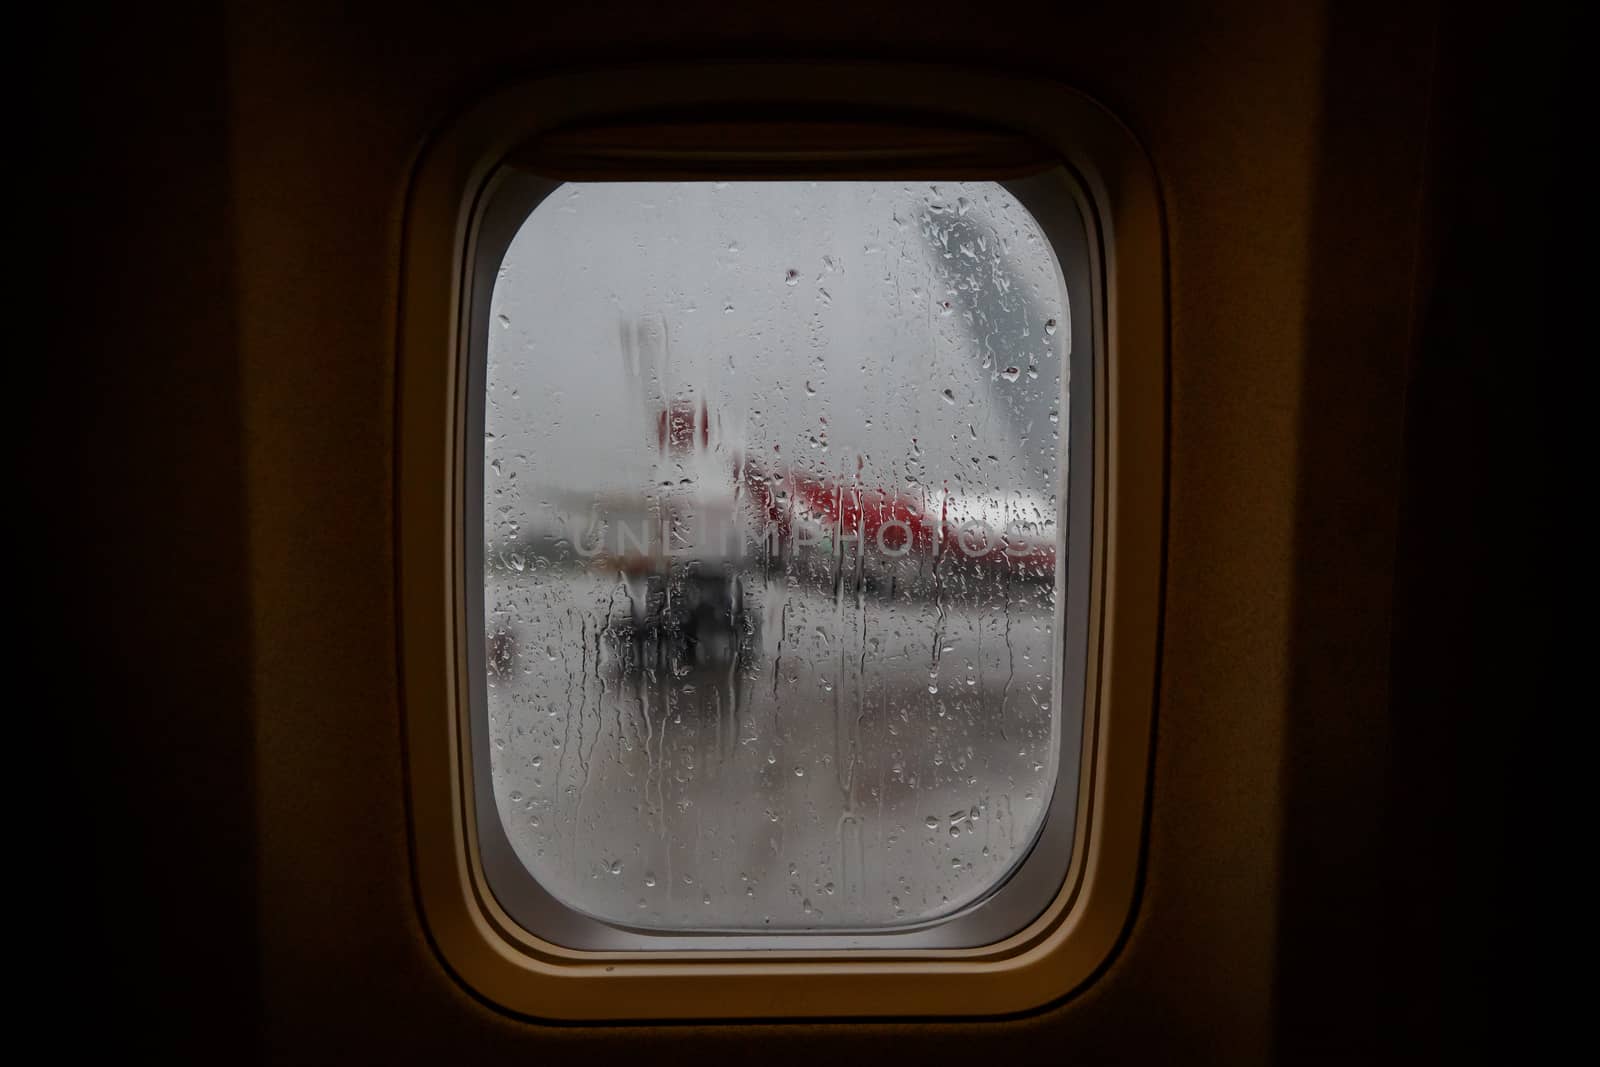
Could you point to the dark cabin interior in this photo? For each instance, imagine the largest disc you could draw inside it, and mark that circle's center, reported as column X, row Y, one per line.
column 1368, row 290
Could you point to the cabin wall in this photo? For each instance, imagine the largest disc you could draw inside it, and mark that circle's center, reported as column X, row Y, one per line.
column 240, row 314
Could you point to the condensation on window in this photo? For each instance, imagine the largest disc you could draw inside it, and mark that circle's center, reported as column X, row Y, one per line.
column 772, row 488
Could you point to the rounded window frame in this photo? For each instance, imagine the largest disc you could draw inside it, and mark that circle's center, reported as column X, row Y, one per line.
column 625, row 974
column 1052, row 198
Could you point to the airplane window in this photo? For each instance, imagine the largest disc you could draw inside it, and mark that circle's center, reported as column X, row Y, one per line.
column 773, row 502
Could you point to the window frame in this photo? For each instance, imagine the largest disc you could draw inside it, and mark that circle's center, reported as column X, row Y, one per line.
column 511, row 196
column 444, row 244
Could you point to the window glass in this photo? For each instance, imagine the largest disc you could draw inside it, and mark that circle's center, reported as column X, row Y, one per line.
column 772, row 480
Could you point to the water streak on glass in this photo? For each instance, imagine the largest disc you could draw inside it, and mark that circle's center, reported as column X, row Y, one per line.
column 771, row 496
